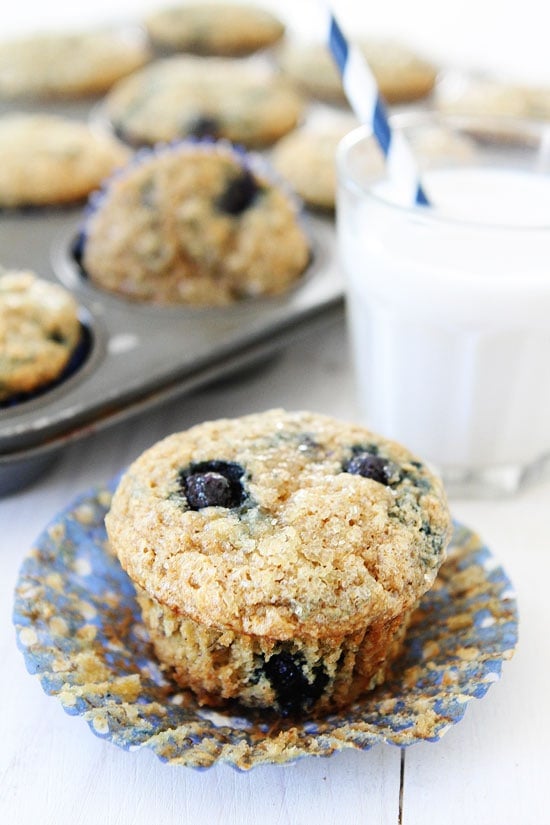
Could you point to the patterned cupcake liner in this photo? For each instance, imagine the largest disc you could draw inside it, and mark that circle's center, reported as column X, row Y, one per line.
column 80, row 630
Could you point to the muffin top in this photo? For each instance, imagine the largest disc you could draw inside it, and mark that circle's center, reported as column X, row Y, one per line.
column 280, row 524
column 48, row 159
column 195, row 223
column 66, row 65
column 230, row 29
column 39, row 330
column 191, row 96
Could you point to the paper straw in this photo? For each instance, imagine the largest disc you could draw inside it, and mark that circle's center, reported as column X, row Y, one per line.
column 366, row 101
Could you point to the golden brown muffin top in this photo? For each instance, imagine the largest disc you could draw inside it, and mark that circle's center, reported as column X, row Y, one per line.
column 63, row 65
column 302, row 544
column 48, row 159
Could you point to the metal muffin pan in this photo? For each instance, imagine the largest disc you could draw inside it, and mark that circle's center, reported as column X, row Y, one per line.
column 140, row 354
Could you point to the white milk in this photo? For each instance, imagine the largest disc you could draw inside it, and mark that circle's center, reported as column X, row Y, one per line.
column 449, row 313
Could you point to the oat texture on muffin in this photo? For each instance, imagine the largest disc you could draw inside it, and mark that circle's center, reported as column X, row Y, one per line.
column 50, row 160
column 225, row 29
column 191, row 96
column 195, row 223
column 39, row 331
column 67, row 65
column 277, row 557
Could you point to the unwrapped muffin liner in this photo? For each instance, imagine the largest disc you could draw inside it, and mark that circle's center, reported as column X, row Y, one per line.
column 80, row 630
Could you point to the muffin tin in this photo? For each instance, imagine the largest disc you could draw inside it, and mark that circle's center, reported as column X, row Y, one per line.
column 141, row 355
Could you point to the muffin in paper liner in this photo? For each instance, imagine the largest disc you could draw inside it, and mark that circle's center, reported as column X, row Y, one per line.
column 212, row 28
column 278, row 556
column 402, row 75
column 47, row 66
column 80, row 630
column 182, row 96
column 43, row 340
column 50, row 160
column 198, row 222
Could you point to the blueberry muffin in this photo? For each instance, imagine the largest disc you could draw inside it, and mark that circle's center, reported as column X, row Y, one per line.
column 402, row 75
column 196, row 223
column 458, row 94
column 306, row 159
column 462, row 94
column 39, row 331
column 224, row 29
column 49, row 160
column 190, row 96
column 67, row 65
column 277, row 557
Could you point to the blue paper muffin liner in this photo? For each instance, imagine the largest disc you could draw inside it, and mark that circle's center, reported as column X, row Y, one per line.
column 80, row 630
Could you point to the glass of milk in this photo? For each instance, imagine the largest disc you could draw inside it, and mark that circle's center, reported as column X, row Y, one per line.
column 449, row 305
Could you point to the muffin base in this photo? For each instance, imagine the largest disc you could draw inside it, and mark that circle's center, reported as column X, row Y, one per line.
column 291, row 677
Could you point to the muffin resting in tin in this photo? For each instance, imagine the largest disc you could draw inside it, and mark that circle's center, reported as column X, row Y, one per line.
column 210, row 28
column 402, row 75
column 48, row 160
column 39, row 331
column 63, row 65
column 278, row 556
column 194, row 223
column 187, row 96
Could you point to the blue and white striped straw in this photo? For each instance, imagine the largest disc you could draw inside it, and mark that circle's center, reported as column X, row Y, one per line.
column 366, row 101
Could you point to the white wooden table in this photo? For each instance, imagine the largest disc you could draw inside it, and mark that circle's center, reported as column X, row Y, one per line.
column 492, row 768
